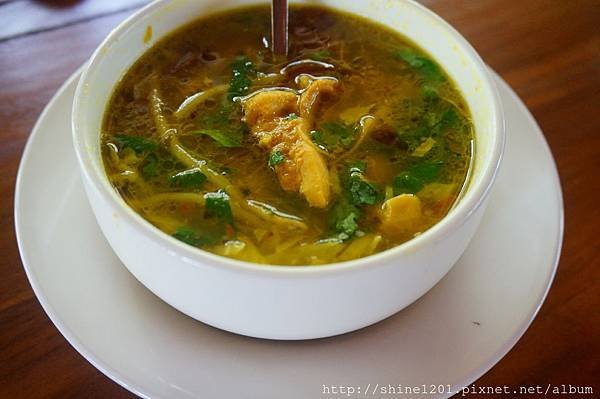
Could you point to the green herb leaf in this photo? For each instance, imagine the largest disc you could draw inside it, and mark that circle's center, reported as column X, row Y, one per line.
column 221, row 118
column 149, row 167
column 433, row 123
column 357, row 166
column 429, row 91
column 449, row 119
column 344, row 133
column 348, row 225
column 427, row 172
column 406, row 183
column 425, row 66
column 223, row 125
column 276, row 158
column 333, row 134
column 242, row 68
column 192, row 237
column 138, row 144
column 191, row 178
column 217, row 204
column 344, row 219
column 414, row 179
column 317, row 137
column 228, row 139
column 320, row 55
column 361, row 191
column 189, row 236
column 291, row 117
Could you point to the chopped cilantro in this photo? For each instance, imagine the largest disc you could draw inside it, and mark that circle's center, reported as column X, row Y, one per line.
column 449, row 119
column 276, row 158
column 333, row 134
column 149, row 167
column 359, row 190
column 414, row 179
column 317, row 137
column 425, row 66
column 223, row 125
column 429, row 91
column 217, row 204
column 436, row 123
column 406, row 183
column 431, row 74
column 320, row 55
column 427, row 172
column 357, row 166
column 192, row 237
column 230, row 139
column 344, row 219
column 348, row 224
column 138, row 144
column 241, row 69
column 344, row 133
column 189, row 236
column 291, row 117
column 219, row 119
column 191, row 178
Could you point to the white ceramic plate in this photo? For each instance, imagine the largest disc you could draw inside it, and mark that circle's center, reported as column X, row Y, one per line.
column 451, row 336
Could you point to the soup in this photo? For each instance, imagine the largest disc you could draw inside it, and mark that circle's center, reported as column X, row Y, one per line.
column 354, row 143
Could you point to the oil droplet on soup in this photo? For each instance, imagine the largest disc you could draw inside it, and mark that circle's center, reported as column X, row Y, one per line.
column 354, row 143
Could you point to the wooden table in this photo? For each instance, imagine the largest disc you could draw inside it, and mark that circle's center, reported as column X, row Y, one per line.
column 547, row 50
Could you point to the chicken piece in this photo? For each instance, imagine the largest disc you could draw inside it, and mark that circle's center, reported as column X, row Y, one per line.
column 267, row 106
column 317, row 91
column 400, row 214
column 314, row 174
column 303, row 169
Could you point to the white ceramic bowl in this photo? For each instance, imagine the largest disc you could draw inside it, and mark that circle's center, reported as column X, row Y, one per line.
column 283, row 302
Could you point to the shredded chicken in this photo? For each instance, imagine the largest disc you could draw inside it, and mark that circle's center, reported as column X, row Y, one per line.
column 266, row 106
column 316, row 91
column 269, row 113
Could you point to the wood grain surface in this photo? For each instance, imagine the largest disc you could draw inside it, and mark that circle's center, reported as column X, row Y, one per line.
column 547, row 50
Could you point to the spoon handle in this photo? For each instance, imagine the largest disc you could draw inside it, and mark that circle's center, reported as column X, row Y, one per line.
column 279, row 26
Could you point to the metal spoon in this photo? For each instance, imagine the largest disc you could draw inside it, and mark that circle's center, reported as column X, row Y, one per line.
column 279, row 26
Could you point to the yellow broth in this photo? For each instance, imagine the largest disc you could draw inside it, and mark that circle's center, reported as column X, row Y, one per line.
column 396, row 139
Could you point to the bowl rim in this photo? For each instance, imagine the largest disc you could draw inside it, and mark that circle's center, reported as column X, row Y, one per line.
column 472, row 199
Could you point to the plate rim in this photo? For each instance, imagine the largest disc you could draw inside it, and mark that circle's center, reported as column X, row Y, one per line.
column 40, row 295
column 524, row 326
column 143, row 392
